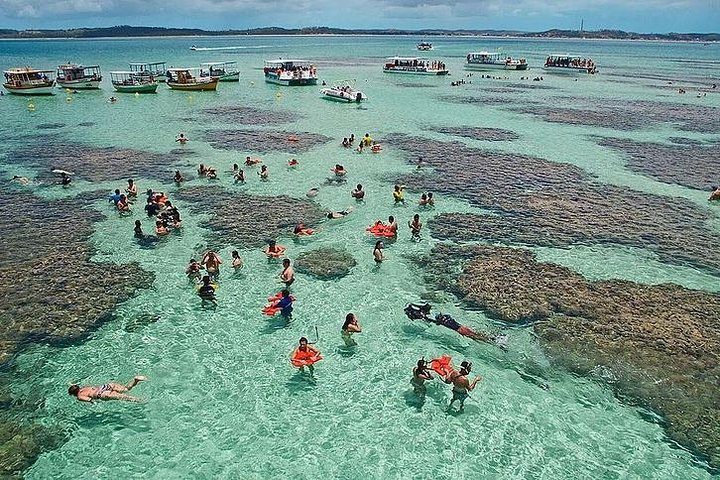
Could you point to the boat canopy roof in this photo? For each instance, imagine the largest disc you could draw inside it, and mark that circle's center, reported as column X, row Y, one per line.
column 146, row 64
column 487, row 54
column 563, row 55
column 287, row 61
column 22, row 70
column 122, row 72
column 214, row 64
column 72, row 66
column 188, row 69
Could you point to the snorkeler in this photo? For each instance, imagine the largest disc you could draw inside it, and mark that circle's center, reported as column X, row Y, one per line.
column 340, row 214
column 287, row 276
column 461, row 384
column 350, row 326
column 108, row 391
column 422, row 312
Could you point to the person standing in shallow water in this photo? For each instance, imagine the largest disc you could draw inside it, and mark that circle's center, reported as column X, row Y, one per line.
column 287, row 276
column 461, row 385
column 378, row 254
column 421, row 374
column 350, row 327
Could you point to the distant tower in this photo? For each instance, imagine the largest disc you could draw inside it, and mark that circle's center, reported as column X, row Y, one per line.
column 582, row 24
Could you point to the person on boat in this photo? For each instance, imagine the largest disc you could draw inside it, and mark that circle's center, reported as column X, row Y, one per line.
column 107, row 391
column 178, row 177
column 339, row 170
column 239, row 176
column 422, row 312
column 378, row 254
column 274, row 249
column 264, row 173
column 161, row 228
column 398, row 194
column 115, row 197
column 715, row 194
column 350, row 326
column 131, row 189
column 207, row 291
column 122, row 204
column 182, row 139
column 21, row 180
column 305, row 351
column 211, row 261
column 415, row 226
column 252, row 161
column 421, row 374
column 193, row 269
column 392, row 226
column 461, row 385
column 138, row 230
column 287, row 276
column 237, row 262
column 340, row 214
column 367, row 140
column 358, row 194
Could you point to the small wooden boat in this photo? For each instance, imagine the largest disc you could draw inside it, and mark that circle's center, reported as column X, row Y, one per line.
column 224, row 71
column 129, row 82
column 78, row 77
column 183, row 79
column 290, row 72
column 28, row 81
column 414, row 65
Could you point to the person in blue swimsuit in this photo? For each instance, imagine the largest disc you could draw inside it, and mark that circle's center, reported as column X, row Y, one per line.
column 285, row 304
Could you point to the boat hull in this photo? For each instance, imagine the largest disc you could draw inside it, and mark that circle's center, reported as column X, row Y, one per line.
column 416, row 72
column 496, row 66
column 569, row 70
column 230, row 77
column 342, row 99
column 290, row 82
column 30, row 90
column 145, row 88
column 80, row 84
column 194, row 87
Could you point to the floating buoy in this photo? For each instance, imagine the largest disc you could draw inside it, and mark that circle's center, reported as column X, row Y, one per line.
column 68, row 99
column 31, row 107
column 252, row 83
column 278, row 95
column 137, row 94
column 67, row 90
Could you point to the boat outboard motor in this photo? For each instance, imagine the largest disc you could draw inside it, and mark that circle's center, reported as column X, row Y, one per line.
column 417, row 312
column 358, row 97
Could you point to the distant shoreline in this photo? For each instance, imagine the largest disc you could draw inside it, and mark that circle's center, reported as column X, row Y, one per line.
column 159, row 32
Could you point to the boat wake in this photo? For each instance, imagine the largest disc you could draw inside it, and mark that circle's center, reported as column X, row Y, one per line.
column 244, row 47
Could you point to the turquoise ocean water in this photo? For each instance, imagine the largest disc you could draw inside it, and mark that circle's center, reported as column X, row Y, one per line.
column 223, row 400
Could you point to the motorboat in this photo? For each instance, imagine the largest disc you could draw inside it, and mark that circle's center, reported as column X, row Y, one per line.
column 494, row 60
column 130, row 82
column 29, row 81
column 223, row 71
column 424, row 46
column 78, row 77
column 414, row 65
column 290, row 72
column 190, row 79
column 564, row 63
column 343, row 93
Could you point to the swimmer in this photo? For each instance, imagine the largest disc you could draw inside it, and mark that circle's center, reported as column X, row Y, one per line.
column 178, row 177
column 367, row 140
column 715, row 195
column 287, row 276
column 237, row 262
column 274, row 249
column 351, row 140
column 108, row 391
column 252, row 161
column 138, row 230
column 313, row 192
column 211, row 173
column 345, row 142
column 161, row 228
column 376, row 148
column 264, row 173
column 202, row 170
column 182, row 139
column 207, row 291
column 193, row 269
column 65, row 180
column 122, row 204
column 115, row 197
column 360, row 148
column 211, row 261
column 398, row 194
column 392, row 226
column 303, row 351
column 301, row 229
column 113, row 99
column 358, row 194
column 422, row 312
column 131, row 189
column 378, row 254
column 285, row 304
column 293, row 163
column 421, row 373
column 340, row 214
column 236, row 168
column 461, row 385
column 339, row 170
column 415, row 227
column 423, row 200
column 21, row 180
column 239, row 176
column 350, row 326
column 430, row 200
column 152, row 207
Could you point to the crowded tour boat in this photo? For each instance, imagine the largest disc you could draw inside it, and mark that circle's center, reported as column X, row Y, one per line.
column 414, row 65
column 129, row 82
column 424, row 46
column 223, row 71
column 343, row 93
column 190, row 79
column 496, row 60
column 28, row 81
column 569, row 64
column 153, row 72
column 290, row 72
column 78, row 77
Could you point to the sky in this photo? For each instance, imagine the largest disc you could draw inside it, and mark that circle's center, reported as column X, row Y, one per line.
column 645, row 16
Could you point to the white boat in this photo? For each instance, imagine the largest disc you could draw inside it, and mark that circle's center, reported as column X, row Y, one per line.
column 424, row 46
column 343, row 93
column 414, row 65
column 78, row 77
column 493, row 60
column 153, row 72
column 290, row 72
column 223, row 71
column 130, row 82
column 573, row 64
column 28, row 81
